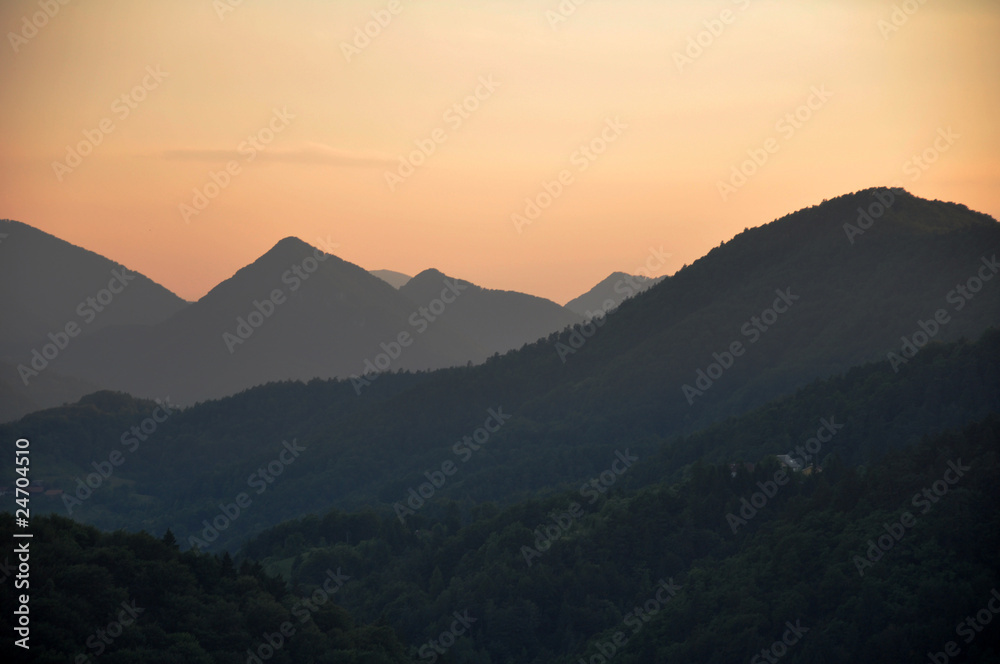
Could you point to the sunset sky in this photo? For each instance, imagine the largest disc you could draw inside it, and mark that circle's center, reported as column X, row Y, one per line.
column 333, row 113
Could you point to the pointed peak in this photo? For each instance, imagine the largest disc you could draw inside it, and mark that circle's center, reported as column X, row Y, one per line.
column 291, row 242
column 288, row 248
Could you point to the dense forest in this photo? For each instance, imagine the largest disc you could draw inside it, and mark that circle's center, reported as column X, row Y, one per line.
column 200, row 459
column 130, row 598
column 881, row 563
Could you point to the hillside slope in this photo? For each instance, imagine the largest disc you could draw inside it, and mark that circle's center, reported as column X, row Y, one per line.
column 568, row 402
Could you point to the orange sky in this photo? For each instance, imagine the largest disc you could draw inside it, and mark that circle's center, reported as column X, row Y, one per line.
column 345, row 116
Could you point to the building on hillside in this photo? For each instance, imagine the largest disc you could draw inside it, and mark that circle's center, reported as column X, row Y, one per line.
column 789, row 462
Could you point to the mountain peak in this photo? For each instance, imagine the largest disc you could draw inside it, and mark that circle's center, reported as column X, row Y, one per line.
column 291, row 244
column 610, row 292
column 290, row 240
column 431, row 273
column 287, row 250
column 429, row 279
column 876, row 215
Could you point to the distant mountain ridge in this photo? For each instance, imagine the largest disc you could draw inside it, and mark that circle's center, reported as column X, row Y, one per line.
column 295, row 313
column 864, row 330
column 875, row 257
column 609, row 293
column 495, row 321
column 44, row 281
column 799, row 298
column 391, row 277
column 55, row 296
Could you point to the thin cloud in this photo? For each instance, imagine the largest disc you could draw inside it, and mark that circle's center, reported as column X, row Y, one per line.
column 303, row 153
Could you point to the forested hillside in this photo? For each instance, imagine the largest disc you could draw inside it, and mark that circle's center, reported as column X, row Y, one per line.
column 181, row 473
column 123, row 598
column 875, row 564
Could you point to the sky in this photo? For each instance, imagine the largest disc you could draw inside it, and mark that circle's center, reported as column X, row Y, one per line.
column 529, row 145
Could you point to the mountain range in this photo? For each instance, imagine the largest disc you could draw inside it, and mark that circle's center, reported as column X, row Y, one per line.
column 296, row 313
column 755, row 442
column 609, row 293
column 759, row 317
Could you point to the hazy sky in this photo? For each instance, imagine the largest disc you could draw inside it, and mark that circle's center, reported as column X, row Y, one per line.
column 310, row 115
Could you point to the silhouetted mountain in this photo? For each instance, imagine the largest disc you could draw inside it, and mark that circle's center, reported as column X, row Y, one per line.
column 494, row 321
column 45, row 283
column 46, row 390
column 294, row 313
column 54, row 296
column 801, row 296
column 394, row 279
column 298, row 313
column 801, row 300
column 609, row 293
